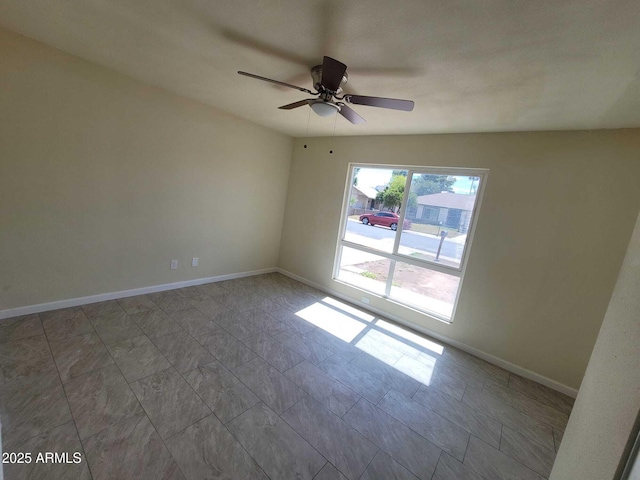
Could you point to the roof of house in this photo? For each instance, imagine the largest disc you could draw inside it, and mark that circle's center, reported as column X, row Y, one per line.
column 366, row 191
column 448, row 200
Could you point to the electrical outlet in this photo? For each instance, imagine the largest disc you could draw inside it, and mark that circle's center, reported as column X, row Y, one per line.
column 174, row 264
column 194, row 262
column 365, row 300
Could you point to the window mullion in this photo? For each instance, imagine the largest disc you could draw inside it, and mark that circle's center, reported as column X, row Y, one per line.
column 403, row 209
column 429, row 265
column 404, row 258
column 336, row 267
column 392, row 268
column 364, row 248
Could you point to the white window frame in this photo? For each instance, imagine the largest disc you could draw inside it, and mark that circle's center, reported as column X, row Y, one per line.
column 393, row 256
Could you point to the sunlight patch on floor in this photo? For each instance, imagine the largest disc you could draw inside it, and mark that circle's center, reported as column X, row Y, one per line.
column 370, row 345
column 348, row 309
column 388, row 342
column 412, row 337
column 341, row 325
column 419, row 368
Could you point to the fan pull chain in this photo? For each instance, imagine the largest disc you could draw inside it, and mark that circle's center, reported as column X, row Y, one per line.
column 335, row 119
column 308, row 120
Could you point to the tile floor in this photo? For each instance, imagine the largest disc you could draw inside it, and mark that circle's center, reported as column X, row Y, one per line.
column 261, row 377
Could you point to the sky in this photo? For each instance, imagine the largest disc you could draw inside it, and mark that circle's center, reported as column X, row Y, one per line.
column 372, row 177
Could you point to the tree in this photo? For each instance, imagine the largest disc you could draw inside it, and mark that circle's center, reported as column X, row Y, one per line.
column 356, row 170
column 392, row 195
column 474, row 187
column 412, row 201
column 427, row 184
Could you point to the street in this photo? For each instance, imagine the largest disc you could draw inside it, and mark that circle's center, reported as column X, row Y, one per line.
column 414, row 240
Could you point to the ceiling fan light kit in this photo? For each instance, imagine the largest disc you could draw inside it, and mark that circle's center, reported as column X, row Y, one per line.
column 324, row 109
column 329, row 80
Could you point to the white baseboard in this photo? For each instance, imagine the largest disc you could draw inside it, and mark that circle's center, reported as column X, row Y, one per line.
column 511, row 367
column 74, row 302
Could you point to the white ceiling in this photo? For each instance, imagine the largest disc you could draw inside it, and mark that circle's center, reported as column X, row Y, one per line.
column 470, row 66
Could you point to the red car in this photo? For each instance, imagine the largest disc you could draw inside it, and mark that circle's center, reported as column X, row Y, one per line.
column 386, row 219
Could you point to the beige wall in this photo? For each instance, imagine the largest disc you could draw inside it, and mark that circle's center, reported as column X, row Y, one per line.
column 557, row 215
column 104, row 180
column 603, row 417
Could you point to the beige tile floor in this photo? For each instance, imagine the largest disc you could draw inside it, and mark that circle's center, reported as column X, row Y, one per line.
column 261, row 377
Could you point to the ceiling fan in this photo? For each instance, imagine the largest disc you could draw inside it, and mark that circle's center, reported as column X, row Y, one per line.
column 328, row 80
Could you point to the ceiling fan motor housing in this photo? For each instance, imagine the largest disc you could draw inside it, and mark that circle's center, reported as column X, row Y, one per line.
column 316, row 76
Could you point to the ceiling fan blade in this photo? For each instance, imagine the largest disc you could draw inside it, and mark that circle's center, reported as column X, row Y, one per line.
column 297, row 104
column 392, row 103
column 330, row 19
column 258, row 46
column 300, row 79
column 351, row 115
column 332, row 73
column 384, row 72
column 265, row 79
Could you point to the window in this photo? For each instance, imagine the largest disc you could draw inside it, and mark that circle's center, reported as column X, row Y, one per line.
column 411, row 243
